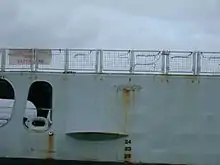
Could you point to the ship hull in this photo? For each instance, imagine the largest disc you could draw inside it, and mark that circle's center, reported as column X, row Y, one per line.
column 25, row 161
column 116, row 118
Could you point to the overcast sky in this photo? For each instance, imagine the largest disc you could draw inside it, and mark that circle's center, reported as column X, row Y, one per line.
column 144, row 24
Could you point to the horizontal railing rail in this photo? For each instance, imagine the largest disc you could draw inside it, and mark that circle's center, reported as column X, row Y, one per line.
column 110, row 61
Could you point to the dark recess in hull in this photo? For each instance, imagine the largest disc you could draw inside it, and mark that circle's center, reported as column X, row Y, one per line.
column 24, row 161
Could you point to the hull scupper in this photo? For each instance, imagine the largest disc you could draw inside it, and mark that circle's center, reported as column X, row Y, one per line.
column 116, row 106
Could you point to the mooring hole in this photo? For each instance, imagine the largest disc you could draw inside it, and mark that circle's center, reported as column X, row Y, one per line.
column 38, row 123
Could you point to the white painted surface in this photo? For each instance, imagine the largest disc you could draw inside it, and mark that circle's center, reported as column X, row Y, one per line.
column 6, row 110
column 97, row 107
column 173, row 119
column 111, row 61
column 27, row 56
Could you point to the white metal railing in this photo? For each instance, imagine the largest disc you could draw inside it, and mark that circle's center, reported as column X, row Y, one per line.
column 114, row 61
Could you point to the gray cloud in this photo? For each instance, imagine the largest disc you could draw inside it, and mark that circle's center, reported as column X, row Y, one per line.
column 153, row 24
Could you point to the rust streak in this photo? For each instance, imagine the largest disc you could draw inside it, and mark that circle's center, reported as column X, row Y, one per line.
column 50, row 146
column 133, row 96
column 126, row 94
column 126, row 99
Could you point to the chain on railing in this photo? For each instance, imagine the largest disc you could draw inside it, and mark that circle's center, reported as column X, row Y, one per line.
column 110, row 61
column 82, row 60
column 181, row 62
column 116, row 61
column 209, row 62
column 148, row 62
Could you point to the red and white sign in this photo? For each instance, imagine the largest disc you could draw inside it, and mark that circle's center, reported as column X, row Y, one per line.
column 28, row 56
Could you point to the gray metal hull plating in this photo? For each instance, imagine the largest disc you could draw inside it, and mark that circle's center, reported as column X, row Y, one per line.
column 18, row 161
column 168, row 119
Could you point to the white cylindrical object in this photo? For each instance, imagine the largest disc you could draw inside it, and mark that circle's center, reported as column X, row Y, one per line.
column 38, row 128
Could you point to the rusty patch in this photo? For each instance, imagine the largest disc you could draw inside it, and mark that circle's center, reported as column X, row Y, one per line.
column 126, row 99
column 126, row 93
column 133, row 96
column 50, row 148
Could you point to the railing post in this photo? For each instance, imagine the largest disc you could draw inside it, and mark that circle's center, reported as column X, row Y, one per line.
column 163, row 67
column 97, row 61
column 198, row 61
column 36, row 60
column 132, row 61
column 165, row 61
column 32, row 60
column 3, row 59
column 66, row 63
column 194, row 67
column 101, row 61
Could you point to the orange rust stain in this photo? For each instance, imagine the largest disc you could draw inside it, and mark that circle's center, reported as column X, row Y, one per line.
column 126, row 99
column 50, row 146
column 126, row 94
column 133, row 96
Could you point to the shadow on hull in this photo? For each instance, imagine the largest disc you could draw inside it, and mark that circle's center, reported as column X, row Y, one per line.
column 24, row 161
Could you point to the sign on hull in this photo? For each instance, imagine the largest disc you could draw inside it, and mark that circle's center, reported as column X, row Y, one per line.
column 28, row 56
